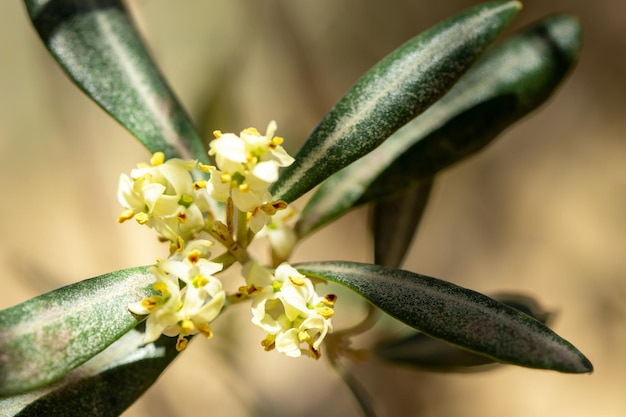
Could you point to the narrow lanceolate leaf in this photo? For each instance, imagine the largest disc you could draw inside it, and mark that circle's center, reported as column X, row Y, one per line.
column 503, row 86
column 420, row 351
column 456, row 315
column 98, row 46
column 393, row 92
column 394, row 221
column 44, row 338
column 104, row 386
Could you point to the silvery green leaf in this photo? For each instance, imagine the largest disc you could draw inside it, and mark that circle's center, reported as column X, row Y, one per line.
column 506, row 84
column 44, row 338
column 104, row 386
column 97, row 44
column 392, row 93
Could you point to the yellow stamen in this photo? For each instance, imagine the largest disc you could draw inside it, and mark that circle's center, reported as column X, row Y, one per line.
column 330, row 299
column 194, row 256
column 157, row 159
column 198, row 185
column 325, row 312
column 249, row 289
column 181, row 343
column 217, row 134
column 244, row 188
column 205, row 330
column 276, row 142
column 182, row 217
column 205, row 168
column 177, row 246
column 142, row 218
column 314, row 353
column 251, row 131
column 271, row 208
column 162, row 288
column 126, row 215
column 148, row 303
column 296, row 280
column 225, row 178
column 269, row 343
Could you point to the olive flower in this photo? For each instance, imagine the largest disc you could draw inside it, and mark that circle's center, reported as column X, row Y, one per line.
column 287, row 307
column 164, row 196
column 183, row 312
column 246, row 166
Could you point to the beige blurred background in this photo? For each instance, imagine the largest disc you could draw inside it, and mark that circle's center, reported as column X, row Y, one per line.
column 542, row 211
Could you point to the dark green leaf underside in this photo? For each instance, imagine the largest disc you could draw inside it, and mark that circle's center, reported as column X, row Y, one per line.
column 394, row 222
column 420, row 351
column 456, row 315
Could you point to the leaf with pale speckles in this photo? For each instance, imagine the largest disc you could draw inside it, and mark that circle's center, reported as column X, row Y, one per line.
column 420, row 351
column 507, row 83
column 392, row 93
column 44, row 338
column 456, row 315
column 104, row 386
column 98, row 46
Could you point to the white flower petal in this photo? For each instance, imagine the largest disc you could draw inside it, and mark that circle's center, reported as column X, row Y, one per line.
column 266, row 171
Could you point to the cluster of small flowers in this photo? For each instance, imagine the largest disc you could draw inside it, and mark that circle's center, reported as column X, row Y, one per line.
column 187, row 296
column 287, row 307
column 164, row 196
column 246, row 167
column 183, row 312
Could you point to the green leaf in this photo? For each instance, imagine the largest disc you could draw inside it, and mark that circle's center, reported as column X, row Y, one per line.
column 99, row 47
column 104, row 386
column 394, row 221
column 456, row 315
column 44, row 338
column 393, row 92
column 420, row 351
column 507, row 83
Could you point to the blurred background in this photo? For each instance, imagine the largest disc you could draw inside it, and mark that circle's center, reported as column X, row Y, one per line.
column 541, row 211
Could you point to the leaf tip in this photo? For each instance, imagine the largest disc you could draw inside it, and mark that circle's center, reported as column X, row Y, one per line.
column 565, row 31
column 586, row 367
column 577, row 363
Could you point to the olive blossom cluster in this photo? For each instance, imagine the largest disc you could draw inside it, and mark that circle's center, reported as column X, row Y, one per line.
column 187, row 296
column 287, row 307
column 246, row 167
column 163, row 196
column 183, row 312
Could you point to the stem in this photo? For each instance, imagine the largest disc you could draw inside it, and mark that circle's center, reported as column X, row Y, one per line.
column 242, row 229
column 362, row 326
column 230, row 213
column 337, row 345
column 360, row 394
column 226, row 259
column 222, row 234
